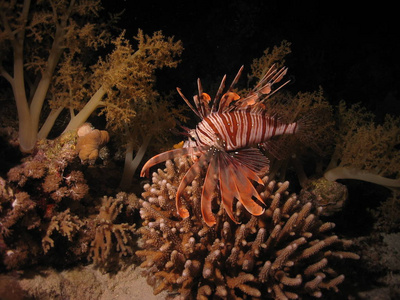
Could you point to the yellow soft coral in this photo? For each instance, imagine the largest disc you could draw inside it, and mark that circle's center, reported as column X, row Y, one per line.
column 364, row 150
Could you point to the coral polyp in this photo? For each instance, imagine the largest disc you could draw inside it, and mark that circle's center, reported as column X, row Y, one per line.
column 285, row 253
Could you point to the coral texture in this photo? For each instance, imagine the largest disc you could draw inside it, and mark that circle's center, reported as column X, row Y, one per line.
column 285, row 253
column 40, row 205
column 113, row 239
column 330, row 195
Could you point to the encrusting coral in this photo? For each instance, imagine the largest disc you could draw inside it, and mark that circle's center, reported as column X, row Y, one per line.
column 285, row 253
column 90, row 141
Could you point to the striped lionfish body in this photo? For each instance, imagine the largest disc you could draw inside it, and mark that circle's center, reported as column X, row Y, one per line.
column 240, row 129
column 225, row 142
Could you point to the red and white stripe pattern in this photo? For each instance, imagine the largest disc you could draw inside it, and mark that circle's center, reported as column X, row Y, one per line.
column 240, row 129
column 223, row 141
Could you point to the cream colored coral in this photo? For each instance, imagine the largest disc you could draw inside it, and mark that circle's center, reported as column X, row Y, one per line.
column 89, row 142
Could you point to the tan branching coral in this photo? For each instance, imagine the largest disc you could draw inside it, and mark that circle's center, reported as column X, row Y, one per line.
column 111, row 237
column 285, row 253
column 64, row 223
column 22, row 208
column 46, row 170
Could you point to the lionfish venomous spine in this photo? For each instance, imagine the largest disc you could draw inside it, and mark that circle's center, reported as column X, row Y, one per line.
column 225, row 142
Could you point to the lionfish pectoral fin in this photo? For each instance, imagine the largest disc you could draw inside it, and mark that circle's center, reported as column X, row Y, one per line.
column 210, row 183
column 228, row 188
column 247, row 192
column 254, row 160
column 280, row 147
column 194, row 170
column 171, row 154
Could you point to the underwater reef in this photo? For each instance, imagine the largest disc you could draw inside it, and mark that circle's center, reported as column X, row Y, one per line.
column 51, row 217
column 319, row 209
column 284, row 253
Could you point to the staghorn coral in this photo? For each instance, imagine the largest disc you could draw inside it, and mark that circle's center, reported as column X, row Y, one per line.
column 285, row 253
column 112, row 237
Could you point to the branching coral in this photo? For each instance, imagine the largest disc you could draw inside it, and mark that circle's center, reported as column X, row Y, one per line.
column 46, row 170
column 285, row 253
column 64, row 223
column 112, row 237
column 50, row 42
column 48, row 216
column 35, row 43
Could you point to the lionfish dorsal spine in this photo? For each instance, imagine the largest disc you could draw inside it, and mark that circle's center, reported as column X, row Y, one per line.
column 217, row 97
column 188, row 102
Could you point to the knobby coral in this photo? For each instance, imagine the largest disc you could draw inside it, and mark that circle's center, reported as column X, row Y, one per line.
column 284, row 253
column 89, row 143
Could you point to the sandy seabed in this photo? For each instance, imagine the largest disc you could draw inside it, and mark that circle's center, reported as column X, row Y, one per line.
column 85, row 283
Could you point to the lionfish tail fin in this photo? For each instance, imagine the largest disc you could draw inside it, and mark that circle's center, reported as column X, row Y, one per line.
column 311, row 125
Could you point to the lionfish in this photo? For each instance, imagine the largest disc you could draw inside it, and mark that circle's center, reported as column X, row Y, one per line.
column 225, row 142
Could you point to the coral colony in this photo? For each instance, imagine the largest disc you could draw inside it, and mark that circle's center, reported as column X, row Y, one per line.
column 284, row 253
column 235, row 240
column 217, row 218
